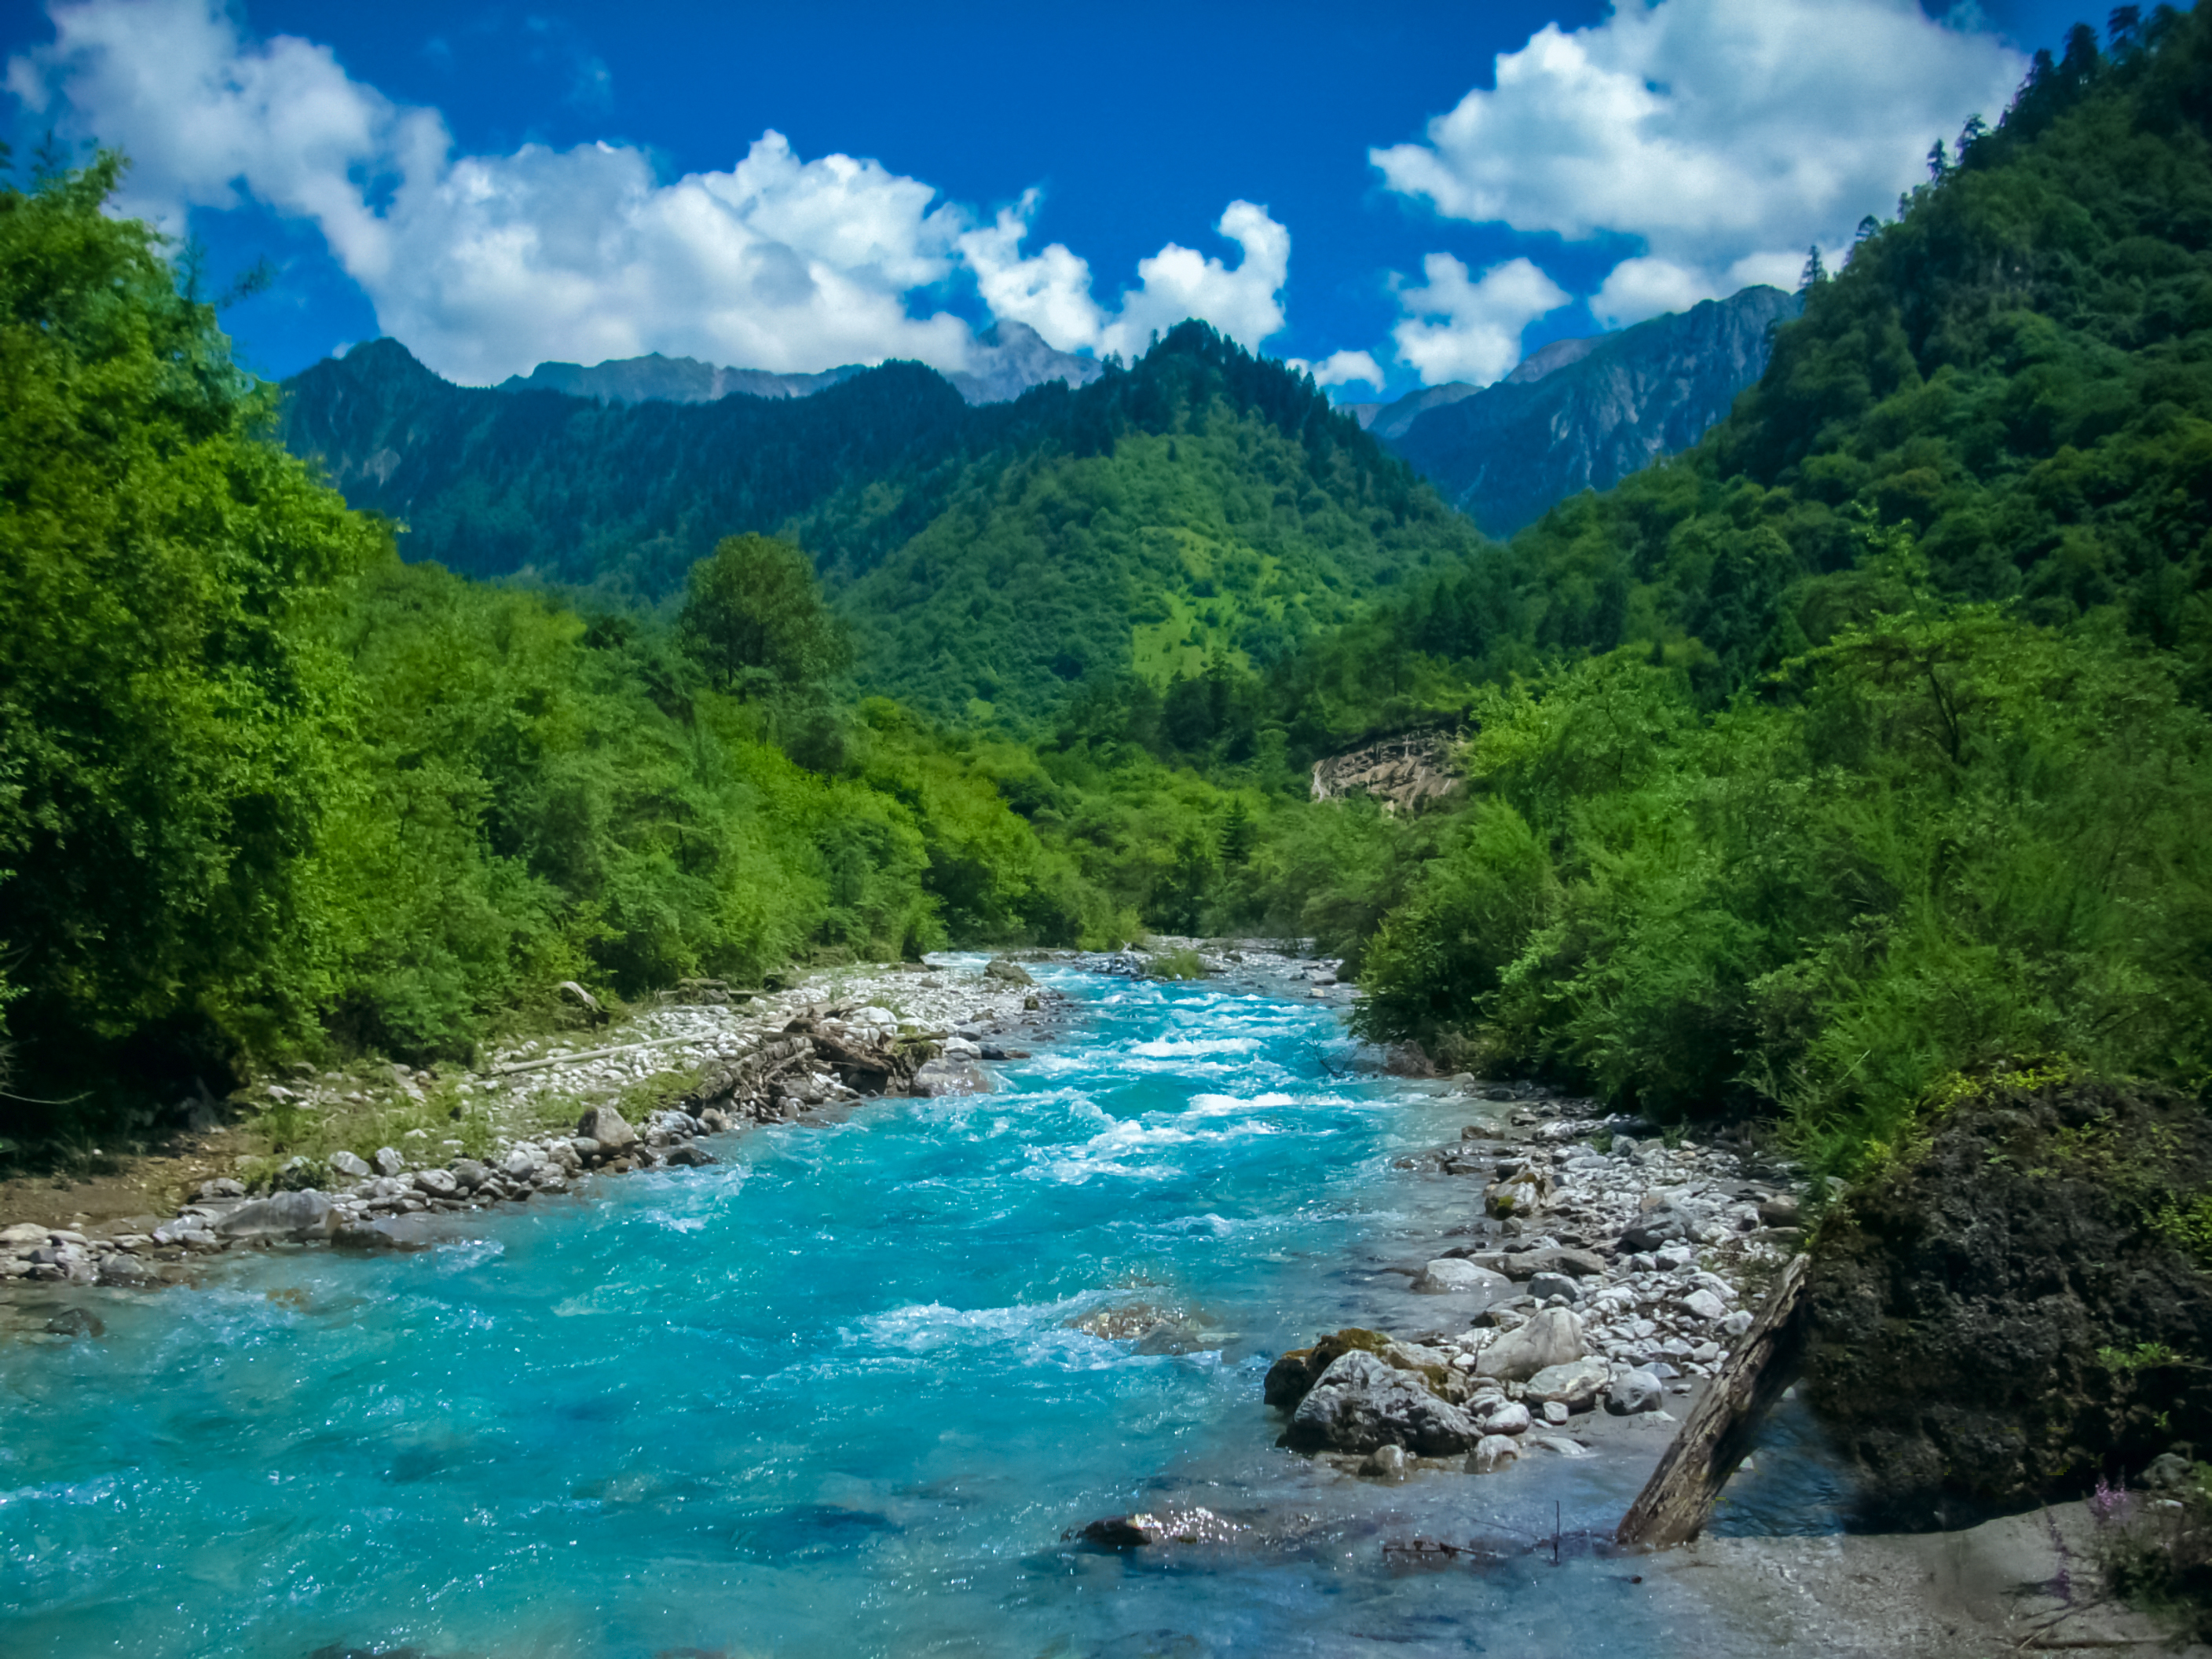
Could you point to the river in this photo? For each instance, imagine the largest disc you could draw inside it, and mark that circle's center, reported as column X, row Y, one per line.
column 824, row 1398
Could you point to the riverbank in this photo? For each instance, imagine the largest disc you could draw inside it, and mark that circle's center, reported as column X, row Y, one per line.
column 556, row 1114
column 2026, row 1583
column 846, row 1387
column 1597, row 1276
column 511, row 1127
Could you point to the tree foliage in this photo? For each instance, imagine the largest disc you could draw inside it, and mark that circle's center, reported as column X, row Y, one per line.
column 755, row 621
column 167, row 690
column 264, row 789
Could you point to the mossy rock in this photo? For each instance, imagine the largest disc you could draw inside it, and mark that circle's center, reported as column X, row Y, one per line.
column 1293, row 1375
column 2018, row 1305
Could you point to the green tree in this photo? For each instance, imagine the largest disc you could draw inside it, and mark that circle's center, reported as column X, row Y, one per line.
column 754, row 619
column 165, row 691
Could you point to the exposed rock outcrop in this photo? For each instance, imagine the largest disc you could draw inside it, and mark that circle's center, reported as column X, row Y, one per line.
column 2016, row 1309
column 1407, row 769
column 1583, row 415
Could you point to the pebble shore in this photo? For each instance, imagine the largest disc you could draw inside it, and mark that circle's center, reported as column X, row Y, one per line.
column 943, row 1019
column 1604, row 1270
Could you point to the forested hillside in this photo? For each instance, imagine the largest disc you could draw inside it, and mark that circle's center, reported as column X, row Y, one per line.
column 987, row 558
column 1201, row 503
column 1861, row 744
column 267, row 791
column 1866, row 744
column 572, row 490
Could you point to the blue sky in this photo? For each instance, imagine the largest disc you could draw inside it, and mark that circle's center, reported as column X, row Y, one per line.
column 499, row 184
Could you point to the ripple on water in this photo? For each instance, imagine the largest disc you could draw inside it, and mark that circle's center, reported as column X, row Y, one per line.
column 823, row 1398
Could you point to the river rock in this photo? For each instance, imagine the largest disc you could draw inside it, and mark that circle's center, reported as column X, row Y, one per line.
column 1509, row 1417
column 1664, row 1222
column 128, row 1271
column 1705, row 1305
column 1454, row 1275
column 1491, row 1453
column 1007, row 971
column 1167, row 1526
column 1520, row 1195
column 1783, row 1210
column 21, row 1236
column 1575, row 1385
column 351, row 1165
column 221, row 1187
column 1633, row 1393
column 1553, row 1337
column 436, row 1183
column 1544, row 1287
column 283, row 1215
column 1553, row 1259
column 1361, row 1403
column 359, row 1235
column 521, row 1163
column 1387, row 1461
column 690, row 1155
column 389, row 1161
column 76, row 1322
column 949, row 1077
column 607, row 1126
column 2167, row 1472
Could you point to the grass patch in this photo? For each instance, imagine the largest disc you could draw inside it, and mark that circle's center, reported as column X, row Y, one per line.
column 1181, row 964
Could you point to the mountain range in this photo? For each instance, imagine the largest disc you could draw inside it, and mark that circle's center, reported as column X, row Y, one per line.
column 993, row 541
column 1198, row 502
column 1011, row 358
column 1584, row 414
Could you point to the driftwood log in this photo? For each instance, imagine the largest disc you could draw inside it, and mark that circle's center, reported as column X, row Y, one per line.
column 872, row 1070
column 1678, row 1500
column 747, row 1086
column 745, row 1081
column 570, row 1057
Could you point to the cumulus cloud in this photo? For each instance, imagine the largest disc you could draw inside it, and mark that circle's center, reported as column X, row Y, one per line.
column 1726, row 135
column 1051, row 290
column 1341, row 368
column 488, row 264
column 1461, row 329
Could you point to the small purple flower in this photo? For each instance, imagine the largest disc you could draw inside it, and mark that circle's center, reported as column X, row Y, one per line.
column 2109, row 1503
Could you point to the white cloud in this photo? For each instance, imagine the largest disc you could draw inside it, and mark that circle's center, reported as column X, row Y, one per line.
column 1727, row 134
column 1455, row 329
column 1341, row 368
column 1243, row 302
column 488, row 264
column 1637, row 289
column 1051, row 290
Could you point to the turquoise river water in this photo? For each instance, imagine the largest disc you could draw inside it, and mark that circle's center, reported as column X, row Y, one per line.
column 824, row 1398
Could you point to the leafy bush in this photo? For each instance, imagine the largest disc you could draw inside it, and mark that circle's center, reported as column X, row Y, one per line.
column 1941, row 840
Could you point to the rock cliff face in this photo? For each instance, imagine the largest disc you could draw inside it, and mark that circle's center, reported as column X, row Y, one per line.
column 1584, row 414
column 1408, row 770
column 2017, row 1307
column 656, row 379
column 1011, row 358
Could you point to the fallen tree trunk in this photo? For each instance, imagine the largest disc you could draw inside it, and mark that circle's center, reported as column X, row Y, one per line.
column 746, row 1078
column 593, row 1053
column 1678, row 1500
